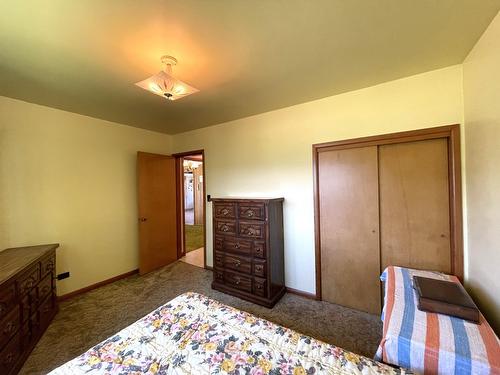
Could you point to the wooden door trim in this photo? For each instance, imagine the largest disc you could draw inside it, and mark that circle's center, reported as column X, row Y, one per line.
column 181, row 235
column 179, row 175
column 189, row 153
column 452, row 134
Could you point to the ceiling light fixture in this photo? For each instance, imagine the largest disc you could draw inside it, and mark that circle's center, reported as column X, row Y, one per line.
column 165, row 84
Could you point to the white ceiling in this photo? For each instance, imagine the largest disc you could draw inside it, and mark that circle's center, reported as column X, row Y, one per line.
column 246, row 57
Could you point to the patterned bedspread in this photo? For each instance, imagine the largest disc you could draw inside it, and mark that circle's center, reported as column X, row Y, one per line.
column 432, row 343
column 193, row 334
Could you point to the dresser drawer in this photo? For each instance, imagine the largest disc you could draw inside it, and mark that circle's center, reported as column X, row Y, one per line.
column 259, row 249
column 29, row 279
column 7, row 299
column 48, row 265
column 26, row 308
column 9, row 325
column 34, row 324
column 252, row 229
column 41, row 318
column 26, row 337
column 219, row 259
column 219, row 242
column 259, row 268
column 219, row 276
column 237, row 263
column 225, row 227
column 237, row 281
column 224, row 210
column 10, row 354
column 33, row 298
column 260, row 286
column 237, row 245
column 45, row 287
column 251, row 211
column 46, row 311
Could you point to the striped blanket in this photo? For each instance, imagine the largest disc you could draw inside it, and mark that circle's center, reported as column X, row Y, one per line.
column 432, row 343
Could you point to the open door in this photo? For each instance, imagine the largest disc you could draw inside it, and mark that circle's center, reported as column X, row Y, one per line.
column 157, row 200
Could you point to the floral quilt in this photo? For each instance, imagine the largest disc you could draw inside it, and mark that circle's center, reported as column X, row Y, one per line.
column 193, row 334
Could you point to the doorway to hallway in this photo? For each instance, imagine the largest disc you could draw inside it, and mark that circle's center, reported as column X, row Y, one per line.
column 192, row 189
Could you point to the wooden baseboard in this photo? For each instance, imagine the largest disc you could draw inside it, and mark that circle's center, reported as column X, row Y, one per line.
column 210, row 268
column 67, row 296
column 301, row 293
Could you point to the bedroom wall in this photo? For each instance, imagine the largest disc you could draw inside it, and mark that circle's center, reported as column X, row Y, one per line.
column 481, row 77
column 270, row 154
column 71, row 179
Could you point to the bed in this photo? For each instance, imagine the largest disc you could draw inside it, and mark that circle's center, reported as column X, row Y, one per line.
column 193, row 334
column 432, row 343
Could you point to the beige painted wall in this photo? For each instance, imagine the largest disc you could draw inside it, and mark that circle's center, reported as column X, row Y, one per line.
column 270, row 154
column 481, row 77
column 70, row 179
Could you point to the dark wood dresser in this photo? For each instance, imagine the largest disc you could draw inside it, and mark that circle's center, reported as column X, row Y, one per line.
column 27, row 301
column 248, row 249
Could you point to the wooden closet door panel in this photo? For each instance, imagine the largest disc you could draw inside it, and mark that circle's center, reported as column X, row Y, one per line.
column 414, row 205
column 349, row 227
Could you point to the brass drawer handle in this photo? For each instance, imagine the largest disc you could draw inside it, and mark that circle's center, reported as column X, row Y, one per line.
column 236, row 245
column 259, row 286
column 251, row 231
column 237, row 263
column 9, row 359
column 258, row 268
column 9, row 328
column 250, row 213
column 237, row 281
column 224, row 228
column 224, row 212
column 28, row 284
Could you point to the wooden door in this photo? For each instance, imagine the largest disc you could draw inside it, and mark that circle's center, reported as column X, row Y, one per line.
column 349, row 227
column 414, row 205
column 198, row 194
column 156, row 187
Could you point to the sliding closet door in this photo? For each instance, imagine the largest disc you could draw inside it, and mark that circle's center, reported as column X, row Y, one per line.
column 414, row 205
column 349, row 227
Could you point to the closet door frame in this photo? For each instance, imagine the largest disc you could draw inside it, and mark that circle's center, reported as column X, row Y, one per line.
column 452, row 134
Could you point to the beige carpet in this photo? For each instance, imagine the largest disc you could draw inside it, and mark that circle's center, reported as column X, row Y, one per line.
column 90, row 318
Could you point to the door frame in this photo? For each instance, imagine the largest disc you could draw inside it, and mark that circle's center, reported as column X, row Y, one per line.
column 452, row 134
column 181, row 235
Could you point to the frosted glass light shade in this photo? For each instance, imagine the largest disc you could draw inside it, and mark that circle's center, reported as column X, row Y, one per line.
column 167, row 86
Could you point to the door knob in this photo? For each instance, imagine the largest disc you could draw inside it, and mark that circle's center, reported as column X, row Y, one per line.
column 142, row 219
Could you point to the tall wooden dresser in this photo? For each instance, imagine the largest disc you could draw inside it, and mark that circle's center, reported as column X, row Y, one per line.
column 27, row 301
column 248, row 249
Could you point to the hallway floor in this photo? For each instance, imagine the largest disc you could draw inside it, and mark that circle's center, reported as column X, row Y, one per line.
column 194, row 257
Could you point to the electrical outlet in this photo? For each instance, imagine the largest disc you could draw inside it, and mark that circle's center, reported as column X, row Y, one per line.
column 63, row 275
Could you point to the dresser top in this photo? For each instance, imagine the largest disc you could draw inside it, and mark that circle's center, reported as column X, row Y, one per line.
column 15, row 259
column 247, row 199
